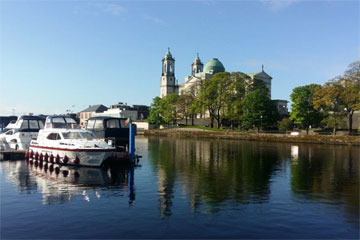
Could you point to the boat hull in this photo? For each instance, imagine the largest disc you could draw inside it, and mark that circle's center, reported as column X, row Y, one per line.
column 85, row 157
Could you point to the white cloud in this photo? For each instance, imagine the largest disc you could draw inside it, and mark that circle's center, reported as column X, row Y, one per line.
column 277, row 5
column 155, row 20
column 110, row 8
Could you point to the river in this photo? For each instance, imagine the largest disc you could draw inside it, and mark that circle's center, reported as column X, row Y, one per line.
column 189, row 188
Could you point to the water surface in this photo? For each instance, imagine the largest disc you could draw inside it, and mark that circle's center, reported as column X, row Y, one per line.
column 188, row 188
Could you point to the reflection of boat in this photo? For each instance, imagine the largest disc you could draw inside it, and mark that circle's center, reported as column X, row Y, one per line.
column 61, row 141
column 59, row 183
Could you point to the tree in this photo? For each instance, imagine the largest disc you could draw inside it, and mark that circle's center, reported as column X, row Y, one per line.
column 234, row 97
column 213, row 93
column 184, row 103
column 286, row 124
column 328, row 99
column 258, row 110
column 156, row 112
column 168, row 106
column 302, row 109
column 350, row 95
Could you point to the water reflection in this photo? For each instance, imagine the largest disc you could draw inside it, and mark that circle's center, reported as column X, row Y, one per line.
column 216, row 174
column 60, row 184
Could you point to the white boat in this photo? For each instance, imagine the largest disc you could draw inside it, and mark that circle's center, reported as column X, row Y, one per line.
column 19, row 134
column 63, row 142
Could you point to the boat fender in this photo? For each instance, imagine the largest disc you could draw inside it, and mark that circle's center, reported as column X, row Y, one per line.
column 32, row 154
column 65, row 159
column 41, row 157
column 52, row 158
column 76, row 160
column 36, row 156
column 46, row 157
column 27, row 155
column 65, row 173
column 57, row 159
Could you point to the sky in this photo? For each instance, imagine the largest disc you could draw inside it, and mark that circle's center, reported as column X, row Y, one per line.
column 66, row 55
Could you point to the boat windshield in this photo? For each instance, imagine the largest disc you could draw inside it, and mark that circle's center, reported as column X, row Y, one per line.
column 88, row 135
column 78, row 135
column 61, row 122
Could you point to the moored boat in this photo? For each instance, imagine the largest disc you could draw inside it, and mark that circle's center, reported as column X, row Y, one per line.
column 62, row 141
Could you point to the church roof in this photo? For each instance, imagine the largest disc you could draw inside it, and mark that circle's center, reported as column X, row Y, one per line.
column 260, row 74
column 214, row 66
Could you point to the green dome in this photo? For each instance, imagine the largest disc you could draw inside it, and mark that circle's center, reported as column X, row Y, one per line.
column 214, row 66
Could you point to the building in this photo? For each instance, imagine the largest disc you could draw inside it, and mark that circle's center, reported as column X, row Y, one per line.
column 87, row 113
column 281, row 106
column 122, row 110
column 168, row 84
column 200, row 72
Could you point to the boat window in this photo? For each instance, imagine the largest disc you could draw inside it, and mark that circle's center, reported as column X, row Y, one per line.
column 9, row 132
column 88, row 135
column 99, row 124
column 113, row 123
column 33, row 124
column 54, row 136
column 90, row 124
column 41, row 124
column 72, row 135
column 24, row 124
column 124, row 123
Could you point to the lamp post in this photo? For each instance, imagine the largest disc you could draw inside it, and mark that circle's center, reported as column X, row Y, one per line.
column 261, row 120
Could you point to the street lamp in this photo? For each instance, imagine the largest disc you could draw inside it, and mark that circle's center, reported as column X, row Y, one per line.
column 261, row 120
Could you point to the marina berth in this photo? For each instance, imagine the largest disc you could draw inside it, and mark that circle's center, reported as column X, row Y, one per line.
column 63, row 142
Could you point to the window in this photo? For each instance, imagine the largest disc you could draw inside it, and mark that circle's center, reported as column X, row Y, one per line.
column 88, row 135
column 9, row 132
column 72, row 135
column 99, row 124
column 90, row 124
column 124, row 123
column 113, row 123
column 54, row 136
column 41, row 124
column 33, row 124
column 24, row 124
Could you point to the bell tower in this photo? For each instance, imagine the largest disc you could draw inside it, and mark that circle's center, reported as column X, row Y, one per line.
column 196, row 66
column 167, row 82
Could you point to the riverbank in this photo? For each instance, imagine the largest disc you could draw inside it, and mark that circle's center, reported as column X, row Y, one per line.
column 267, row 137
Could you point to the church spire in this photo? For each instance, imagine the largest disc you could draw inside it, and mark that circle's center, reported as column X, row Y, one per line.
column 197, row 65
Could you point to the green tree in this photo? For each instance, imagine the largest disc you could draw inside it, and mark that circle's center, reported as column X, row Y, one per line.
column 234, row 97
column 169, row 109
column 286, row 124
column 302, row 108
column 258, row 110
column 184, row 103
column 156, row 112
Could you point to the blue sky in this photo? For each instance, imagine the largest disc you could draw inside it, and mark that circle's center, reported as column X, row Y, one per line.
column 59, row 54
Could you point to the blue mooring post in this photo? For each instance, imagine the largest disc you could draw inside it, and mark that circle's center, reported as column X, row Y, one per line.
column 132, row 135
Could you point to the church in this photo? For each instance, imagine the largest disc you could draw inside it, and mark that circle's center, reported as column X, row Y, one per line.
column 200, row 72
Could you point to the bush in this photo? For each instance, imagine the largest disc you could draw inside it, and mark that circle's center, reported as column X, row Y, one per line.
column 285, row 124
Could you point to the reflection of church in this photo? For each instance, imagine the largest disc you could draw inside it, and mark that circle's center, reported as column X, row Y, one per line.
column 199, row 72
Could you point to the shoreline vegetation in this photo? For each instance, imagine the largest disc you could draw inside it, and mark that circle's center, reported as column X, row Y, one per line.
column 267, row 137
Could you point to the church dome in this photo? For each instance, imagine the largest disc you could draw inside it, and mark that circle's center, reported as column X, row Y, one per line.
column 214, row 66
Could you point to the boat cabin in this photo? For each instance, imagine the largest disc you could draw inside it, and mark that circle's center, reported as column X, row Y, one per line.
column 61, row 122
column 29, row 124
column 111, row 129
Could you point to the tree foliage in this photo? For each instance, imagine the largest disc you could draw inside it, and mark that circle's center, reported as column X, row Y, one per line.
column 302, row 108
